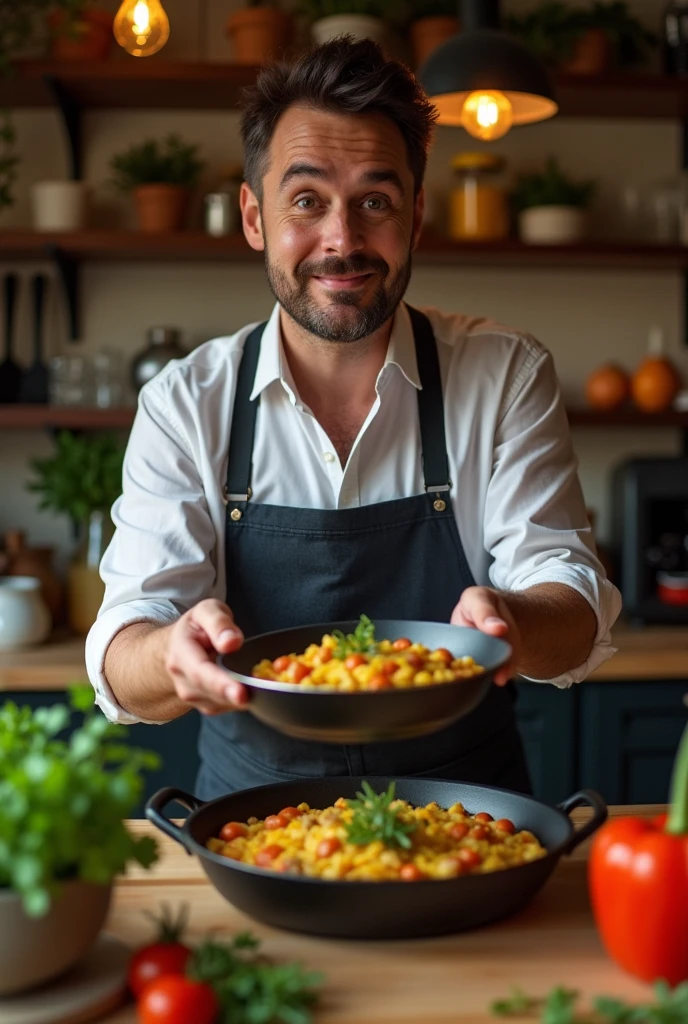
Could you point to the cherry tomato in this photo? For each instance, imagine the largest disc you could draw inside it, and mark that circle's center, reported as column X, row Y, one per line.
column 232, row 830
column 458, row 831
column 380, row 682
column 479, row 832
column 328, row 846
column 483, row 816
column 401, row 644
column 469, row 858
column 504, row 825
column 276, row 821
column 297, row 672
column 153, row 961
column 444, row 655
column 282, row 664
column 353, row 661
column 411, row 873
column 290, row 813
column 415, row 660
column 265, row 857
column 174, row 999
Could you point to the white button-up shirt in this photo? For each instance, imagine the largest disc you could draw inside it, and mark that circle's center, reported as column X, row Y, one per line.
column 516, row 496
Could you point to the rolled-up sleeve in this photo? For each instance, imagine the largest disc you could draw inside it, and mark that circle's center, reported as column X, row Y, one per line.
column 536, row 525
column 161, row 560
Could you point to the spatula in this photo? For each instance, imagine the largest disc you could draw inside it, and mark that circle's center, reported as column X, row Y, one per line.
column 34, row 383
column 10, row 372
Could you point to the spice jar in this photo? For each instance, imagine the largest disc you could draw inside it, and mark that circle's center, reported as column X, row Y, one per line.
column 478, row 206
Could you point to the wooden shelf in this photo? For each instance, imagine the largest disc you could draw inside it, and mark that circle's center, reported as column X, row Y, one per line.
column 196, row 246
column 186, row 85
column 54, row 665
column 582, row 417
column 29, row 417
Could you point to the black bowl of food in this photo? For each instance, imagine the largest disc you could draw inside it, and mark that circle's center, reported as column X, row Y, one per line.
column 366, row 681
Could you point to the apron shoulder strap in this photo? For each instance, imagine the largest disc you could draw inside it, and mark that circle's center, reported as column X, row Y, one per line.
column 430, row 405
column 238, row 487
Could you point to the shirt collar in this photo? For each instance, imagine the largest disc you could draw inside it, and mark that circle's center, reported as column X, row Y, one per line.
column 272, row 365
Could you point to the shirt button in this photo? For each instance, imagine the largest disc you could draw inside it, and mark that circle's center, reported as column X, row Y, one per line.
column 328, row 456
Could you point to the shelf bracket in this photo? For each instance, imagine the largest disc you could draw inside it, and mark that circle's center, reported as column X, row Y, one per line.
column 68, row 270
column 70, row 111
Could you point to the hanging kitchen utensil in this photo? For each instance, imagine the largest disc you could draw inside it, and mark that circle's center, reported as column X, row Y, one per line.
column 10, row 372
column 34, row 383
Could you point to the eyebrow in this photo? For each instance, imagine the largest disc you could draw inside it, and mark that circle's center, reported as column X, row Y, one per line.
column 304, row 170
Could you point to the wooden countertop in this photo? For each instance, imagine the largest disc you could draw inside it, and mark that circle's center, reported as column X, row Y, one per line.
column 651, row 652
column 451, row 980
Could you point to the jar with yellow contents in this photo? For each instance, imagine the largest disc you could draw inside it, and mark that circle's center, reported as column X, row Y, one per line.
column 478, row 206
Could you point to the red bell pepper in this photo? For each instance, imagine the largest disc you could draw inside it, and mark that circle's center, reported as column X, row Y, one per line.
column 638, row 880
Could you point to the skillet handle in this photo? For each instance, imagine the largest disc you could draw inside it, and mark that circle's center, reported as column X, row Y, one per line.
column 160, row 800
column 584, row 798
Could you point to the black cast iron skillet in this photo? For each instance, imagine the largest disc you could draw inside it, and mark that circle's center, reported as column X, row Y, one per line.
column 366, row 717
column 376, row 910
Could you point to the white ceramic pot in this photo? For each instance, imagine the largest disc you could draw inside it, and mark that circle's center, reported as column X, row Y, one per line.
column 24, row 616
column 35, row 949
column 59, row 205
column 553, row 225
column 360, row 26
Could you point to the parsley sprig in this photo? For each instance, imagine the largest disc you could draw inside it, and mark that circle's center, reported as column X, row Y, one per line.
column 250, row 988
column 361, row 641
column 559, row 1007
column 374, row 819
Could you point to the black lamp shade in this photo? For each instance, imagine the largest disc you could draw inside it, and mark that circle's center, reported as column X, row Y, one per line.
column 487, row 59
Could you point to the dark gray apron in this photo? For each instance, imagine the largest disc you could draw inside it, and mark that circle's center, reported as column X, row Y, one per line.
column 400, row 559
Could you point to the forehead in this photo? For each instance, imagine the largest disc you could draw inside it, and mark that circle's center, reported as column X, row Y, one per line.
column 344, row 143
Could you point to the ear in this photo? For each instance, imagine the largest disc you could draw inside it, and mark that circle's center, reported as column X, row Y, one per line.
column 418, row 210
column 250, row 217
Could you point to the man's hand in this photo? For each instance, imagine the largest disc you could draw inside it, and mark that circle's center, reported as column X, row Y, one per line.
column 191, row 646
column 485, row 609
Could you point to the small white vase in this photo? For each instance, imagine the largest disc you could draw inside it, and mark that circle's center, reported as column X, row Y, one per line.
column 360, row 26
column 59, row 205
column 24, row 616
column 552, row 225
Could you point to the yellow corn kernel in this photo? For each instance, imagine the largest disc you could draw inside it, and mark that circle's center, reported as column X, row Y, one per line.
column 422, row 678
column 403, row 676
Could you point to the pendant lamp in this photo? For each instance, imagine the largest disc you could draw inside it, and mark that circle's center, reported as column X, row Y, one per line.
column 485, row 80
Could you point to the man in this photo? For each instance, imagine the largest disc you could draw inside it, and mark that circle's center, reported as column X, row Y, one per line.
column 353, row 455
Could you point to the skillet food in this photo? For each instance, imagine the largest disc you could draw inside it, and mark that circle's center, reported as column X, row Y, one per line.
column 377, row 837
column 357, row 661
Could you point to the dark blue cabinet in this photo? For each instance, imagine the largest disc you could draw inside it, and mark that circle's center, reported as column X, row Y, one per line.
column 546, row 719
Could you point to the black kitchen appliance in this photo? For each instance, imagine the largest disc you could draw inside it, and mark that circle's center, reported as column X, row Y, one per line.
column 650, row 536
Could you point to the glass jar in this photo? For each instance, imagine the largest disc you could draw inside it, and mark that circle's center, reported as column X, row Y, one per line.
column 478, row 206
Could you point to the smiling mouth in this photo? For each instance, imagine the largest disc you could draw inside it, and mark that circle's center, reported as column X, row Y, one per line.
column 343, row 283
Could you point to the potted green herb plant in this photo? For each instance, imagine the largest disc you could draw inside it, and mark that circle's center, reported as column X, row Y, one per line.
column 362, row 19
column 161, row 175
column 259, row 32
column 432, row 23
column 82, row 480
column 551, row 208
column 63, row 802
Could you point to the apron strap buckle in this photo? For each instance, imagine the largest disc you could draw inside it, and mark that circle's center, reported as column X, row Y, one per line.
column 226, row 498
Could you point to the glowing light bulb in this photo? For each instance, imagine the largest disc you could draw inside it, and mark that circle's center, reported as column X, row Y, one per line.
column 487, row 115
column 141, row 27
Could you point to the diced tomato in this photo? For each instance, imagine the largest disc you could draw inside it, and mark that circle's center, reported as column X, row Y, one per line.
column 416, row 661
column 232, row 830
column 324, row 655
column 479, row 832
column 483, row 816
column 274, row 821
column 289, row 813
column 328, row 846
column 469, row 858
column 504, row 825
column 380, row 682
column 265, row 857
column 401, row 644
column 282, row 664
column 444, row 655
column 458, row 831
column 388, row 668
column 411, row 873
column 297, row 672
column 353, row 661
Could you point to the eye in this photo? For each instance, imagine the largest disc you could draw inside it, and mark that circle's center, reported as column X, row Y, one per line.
column 375, row 203
column 306, row 202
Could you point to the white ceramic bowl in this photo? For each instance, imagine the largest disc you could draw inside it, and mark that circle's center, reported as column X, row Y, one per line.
column 24, row 616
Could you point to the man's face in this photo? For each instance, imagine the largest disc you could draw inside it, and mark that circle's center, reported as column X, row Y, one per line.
column 338, row 220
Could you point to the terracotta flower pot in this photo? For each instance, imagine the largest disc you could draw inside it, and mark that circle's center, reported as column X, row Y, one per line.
column 429, row 33
column 592, row 54
column 89, row 37
column 161, row 207
column 259, row 34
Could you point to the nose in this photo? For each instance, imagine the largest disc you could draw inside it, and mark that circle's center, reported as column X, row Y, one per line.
column 342, row 232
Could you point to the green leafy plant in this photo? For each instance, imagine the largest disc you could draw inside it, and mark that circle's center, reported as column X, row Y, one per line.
column 251, row 989
column 375, row 819
column 169, row 162
column 559, row 1007
column 316, row 9
column 361, row 641
column 63, row 801
column 550, row 187
column 84, row 475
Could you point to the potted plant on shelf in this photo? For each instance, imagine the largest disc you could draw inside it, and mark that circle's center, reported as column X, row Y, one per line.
column 432, row 23
column 79, row 30
column 63, row 803
column 82, row 480
column 161, row 176
column 362, row 19
column 551, row 208
column 259, row 32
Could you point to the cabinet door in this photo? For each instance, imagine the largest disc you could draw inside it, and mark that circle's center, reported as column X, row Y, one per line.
column 546, row 719
column 629, row 736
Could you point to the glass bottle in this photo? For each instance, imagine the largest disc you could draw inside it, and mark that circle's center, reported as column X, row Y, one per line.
column 478, row 207
column 163, row 345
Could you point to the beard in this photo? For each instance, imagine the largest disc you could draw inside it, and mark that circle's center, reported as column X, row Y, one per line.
column 345, row 317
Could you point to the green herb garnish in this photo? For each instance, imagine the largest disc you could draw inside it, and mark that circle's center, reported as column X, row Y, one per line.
column 361, row 641
column 374, row 819
column 559, row 1007
column 250, row 988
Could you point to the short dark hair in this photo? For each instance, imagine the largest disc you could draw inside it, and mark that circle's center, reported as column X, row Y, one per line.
column 345, row 76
